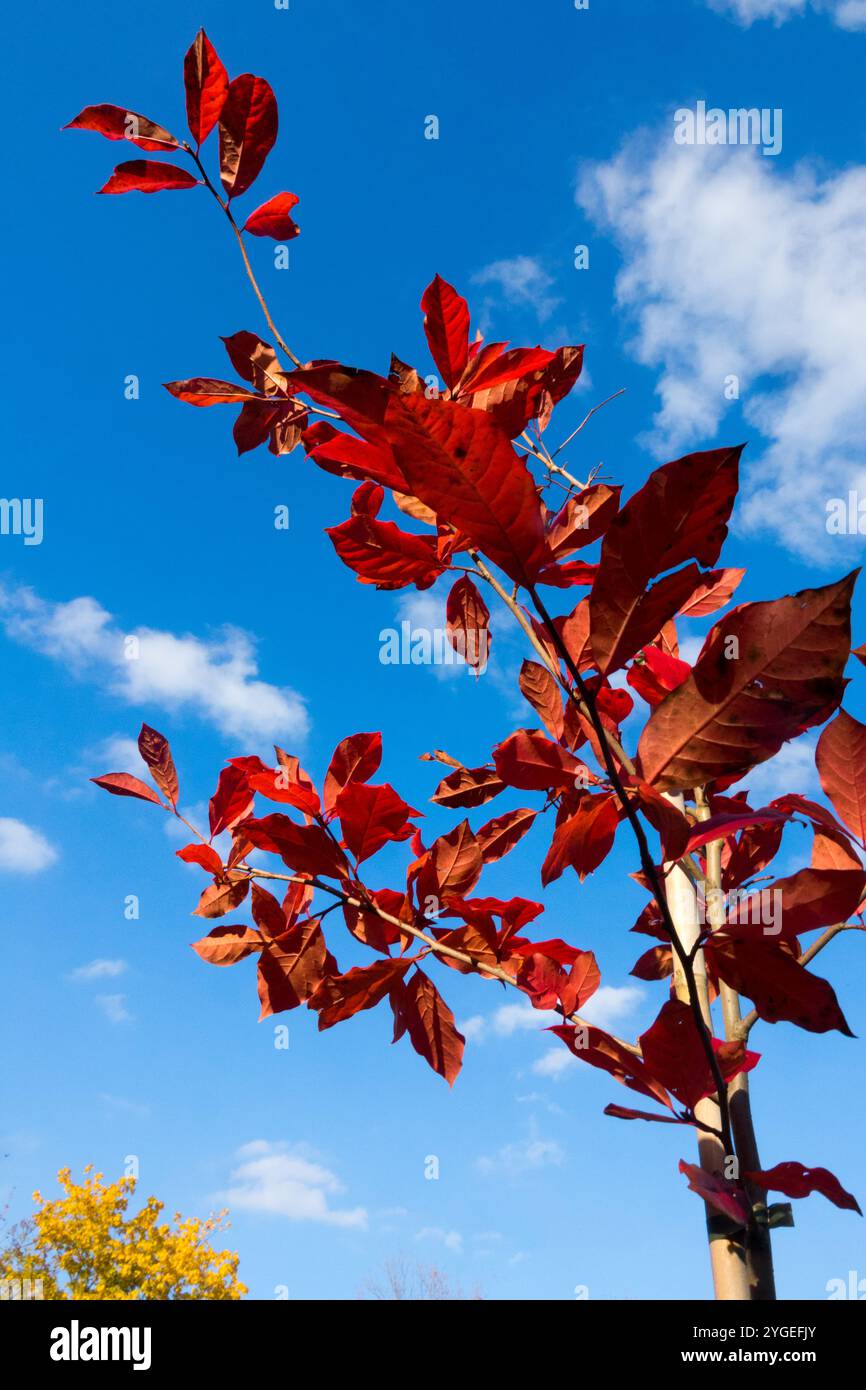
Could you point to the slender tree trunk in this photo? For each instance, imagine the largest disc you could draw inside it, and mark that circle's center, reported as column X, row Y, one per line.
column 759, row 1254
column 742, row 1264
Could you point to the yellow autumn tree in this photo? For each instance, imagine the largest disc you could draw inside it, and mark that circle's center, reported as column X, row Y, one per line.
column 84, row 1245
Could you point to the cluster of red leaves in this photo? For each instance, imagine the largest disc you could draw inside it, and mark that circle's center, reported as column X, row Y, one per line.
column 445, row 452
column 243, row 109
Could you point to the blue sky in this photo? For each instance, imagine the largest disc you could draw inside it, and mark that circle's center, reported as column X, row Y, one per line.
column 555, row 131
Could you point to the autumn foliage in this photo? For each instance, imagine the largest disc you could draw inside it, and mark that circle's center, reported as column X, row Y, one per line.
column 87, row 1245
column 450, row 487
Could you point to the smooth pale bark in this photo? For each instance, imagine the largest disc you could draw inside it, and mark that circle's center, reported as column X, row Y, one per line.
column 728, row 1257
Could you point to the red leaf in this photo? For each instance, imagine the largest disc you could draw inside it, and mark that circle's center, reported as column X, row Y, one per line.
column 272, row 218
column 206, row 390
column 728, row 823
column 431, row 1026
column 599, row 1049
column 147, row 176
column 518, row 386
column 220, row 898
column 734, row 711
column 268, row 916
column 672, row 826
column 718, row 1192
column 155, row 751
column 355, row 759
column 779, row 987
column 341, row 996
column 832, row 851
column 293, row 968
column 541, row 690
column 455, row 863
column 712, row 593
column 674, row 1055
column 123, row 784
column 468, row 786
column 795, row 1180
column 207, row 85
column 204, row 855
column 583, row 841
column 461, row 464
column 381, row 554
column 498, row 836
column 806, row 901
column 467, row 620
column 446, row 324
column 622, row 1112
column 841, row 761
column 654, row 964
column 231, row 802
column 371, row 817
column 227, row 945
column 679, row 514
column 623, row 620
column 116, row 123
column 583, row 519
column 278, row 785
column 306, row 848
column 656, row 674
column 248, row 128
column 531, row 762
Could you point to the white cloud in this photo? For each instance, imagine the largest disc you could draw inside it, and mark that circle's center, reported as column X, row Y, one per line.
column 522, row 282
column 120, row 754
column 847, row 14
column 734, row 267
column 523, row 1156
column 114, row 1007
column 610, row 1005
column 286, row 1180
column 474, row 1028
column 452, row 1240
column 554, row 1063
column 23, row 850
column 216, row 678
column 99, row 970
column 792, row 770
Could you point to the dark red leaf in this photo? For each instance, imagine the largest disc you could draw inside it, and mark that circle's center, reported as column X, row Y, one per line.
column 767, row 671
column 117, row 123
column 583, row 841
column 272, row 218
column 123, row 784
column 431, row 1027
column 207, row 84
column 155, row 751
column 371, row 816
column 248, row 128
column 147, row 176
column 227, row 945
column 795, row 1180
column 231, row 802
column 446, row 324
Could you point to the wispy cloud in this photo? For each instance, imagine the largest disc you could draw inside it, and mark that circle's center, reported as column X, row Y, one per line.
column 287, row 1180
column 98, row 970
column 23, row 850
column 847, row 14
column 522, row 1156
column 713, row 241
column 215, row 678
column 521, row 282
column 114, row 1007
column 452, row 1240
